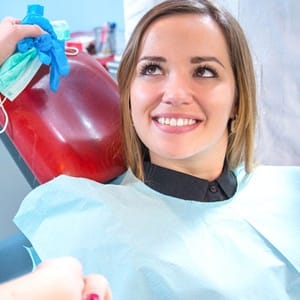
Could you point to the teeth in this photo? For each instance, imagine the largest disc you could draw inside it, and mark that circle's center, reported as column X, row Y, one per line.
column 176, row 122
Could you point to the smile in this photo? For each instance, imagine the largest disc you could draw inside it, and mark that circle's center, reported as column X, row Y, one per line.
column 176, row 122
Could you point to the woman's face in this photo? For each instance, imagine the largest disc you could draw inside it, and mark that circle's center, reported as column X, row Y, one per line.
column 182, row 94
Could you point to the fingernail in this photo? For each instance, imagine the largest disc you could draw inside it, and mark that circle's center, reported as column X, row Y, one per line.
column 92, row 296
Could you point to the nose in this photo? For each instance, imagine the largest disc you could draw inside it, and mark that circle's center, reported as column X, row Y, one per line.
column 177, row 90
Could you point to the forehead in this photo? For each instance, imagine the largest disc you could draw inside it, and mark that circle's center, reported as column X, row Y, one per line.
column 184, row 31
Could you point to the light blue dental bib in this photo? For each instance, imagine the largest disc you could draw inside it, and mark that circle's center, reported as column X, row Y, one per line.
column 155, row 247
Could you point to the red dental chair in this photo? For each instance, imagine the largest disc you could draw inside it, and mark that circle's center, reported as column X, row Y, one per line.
column 75, row 131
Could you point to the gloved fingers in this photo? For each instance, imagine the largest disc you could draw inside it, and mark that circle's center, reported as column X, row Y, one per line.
column 25, row 44
column 60, row 57
column 45, row 58
column 43, row 42
column 54, row 76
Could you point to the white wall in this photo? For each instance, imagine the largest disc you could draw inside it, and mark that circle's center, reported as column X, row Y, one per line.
column 273, row 30
column 81, row 15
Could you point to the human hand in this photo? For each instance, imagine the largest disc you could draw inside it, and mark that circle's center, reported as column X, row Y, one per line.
column 11, row 31
column 62, row 278
column 59, row 279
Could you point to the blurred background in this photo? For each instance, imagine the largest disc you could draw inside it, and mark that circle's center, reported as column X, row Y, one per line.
column 272, row 28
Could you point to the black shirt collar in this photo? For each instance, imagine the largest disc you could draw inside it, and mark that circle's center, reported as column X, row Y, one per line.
column 189, row 187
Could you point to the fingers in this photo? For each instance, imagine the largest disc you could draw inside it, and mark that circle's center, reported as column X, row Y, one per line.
column 10, row 21
column 29, row 30
column 90, row 287
column 24, row 30
column 96, row 285
column 20, row 31
column 67, row 263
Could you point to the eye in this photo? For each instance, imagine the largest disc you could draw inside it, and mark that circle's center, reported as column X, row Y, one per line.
column 151, row 69
column 206, row 72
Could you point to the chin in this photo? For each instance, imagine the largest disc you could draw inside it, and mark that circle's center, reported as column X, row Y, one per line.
column 174, row 155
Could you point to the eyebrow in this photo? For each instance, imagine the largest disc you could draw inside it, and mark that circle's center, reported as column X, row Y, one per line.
column 200, row 59
column 153, row 58
column 194, row 60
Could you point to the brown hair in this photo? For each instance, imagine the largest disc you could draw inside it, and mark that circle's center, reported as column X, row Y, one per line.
column 241, row 140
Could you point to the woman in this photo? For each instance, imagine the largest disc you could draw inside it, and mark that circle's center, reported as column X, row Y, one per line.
column 239, row 147
column 191, row 218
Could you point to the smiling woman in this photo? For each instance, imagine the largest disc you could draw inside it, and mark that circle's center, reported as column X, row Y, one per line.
column 195, row 83
column 191, row 218
column 178, row 59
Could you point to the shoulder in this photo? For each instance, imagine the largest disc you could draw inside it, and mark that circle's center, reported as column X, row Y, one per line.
column 277, row 177
column 65, row 188
column 70, row 183
column 65, row 184
column 268, row 199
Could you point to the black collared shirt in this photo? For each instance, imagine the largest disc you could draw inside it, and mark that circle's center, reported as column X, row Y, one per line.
column 184, row 186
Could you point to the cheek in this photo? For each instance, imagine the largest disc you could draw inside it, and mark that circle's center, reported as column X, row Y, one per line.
column 220, row 107
column 138, row 103
column 138, row 119
column 141, row 95
column 141, row 90
column 224, row 98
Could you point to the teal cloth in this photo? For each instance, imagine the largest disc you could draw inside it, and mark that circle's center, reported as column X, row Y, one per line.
column 17, row 71
column 152, row 246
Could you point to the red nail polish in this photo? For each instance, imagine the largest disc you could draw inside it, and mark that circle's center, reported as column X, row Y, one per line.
column 92, row 296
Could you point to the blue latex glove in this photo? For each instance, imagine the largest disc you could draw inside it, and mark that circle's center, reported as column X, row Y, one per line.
column 51, row 51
